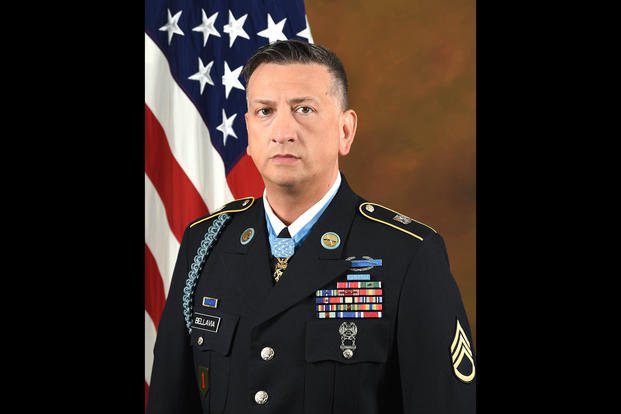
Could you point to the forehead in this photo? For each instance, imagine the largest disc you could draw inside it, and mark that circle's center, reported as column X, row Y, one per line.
column 290, row 76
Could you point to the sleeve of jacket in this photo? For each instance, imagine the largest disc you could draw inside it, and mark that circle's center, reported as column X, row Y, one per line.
column 173, row 388
column 428, row 338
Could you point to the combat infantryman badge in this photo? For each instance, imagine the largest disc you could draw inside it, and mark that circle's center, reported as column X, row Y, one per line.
column 460, row 348
column 364, row 264
column 348, row 331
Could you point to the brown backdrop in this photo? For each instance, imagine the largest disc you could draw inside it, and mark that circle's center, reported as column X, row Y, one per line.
column 411, row 69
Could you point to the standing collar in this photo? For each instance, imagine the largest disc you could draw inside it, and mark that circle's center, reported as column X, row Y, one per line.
column 300, row 227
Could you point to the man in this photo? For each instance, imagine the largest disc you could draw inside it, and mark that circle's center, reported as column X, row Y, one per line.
column 310, row 299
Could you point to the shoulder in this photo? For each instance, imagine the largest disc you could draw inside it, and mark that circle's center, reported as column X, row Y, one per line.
column 235, row 206
column 394, row 221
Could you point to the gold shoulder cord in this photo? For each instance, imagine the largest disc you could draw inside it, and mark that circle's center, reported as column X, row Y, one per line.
column 245, row 206
column 389, row 224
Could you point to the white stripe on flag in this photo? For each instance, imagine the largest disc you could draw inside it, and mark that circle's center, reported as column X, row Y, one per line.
column 157, row 234
column 187, row 134
column 149, row 343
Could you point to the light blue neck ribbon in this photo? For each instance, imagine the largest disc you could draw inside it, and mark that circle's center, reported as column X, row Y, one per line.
column 283, row 247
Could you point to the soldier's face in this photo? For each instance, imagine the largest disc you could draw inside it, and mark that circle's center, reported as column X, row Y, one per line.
column 296, row 127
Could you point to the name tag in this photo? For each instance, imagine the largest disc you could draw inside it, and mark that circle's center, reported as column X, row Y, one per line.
column 206, row 322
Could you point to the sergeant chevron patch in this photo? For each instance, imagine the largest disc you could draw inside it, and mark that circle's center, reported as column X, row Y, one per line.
column 460, row 348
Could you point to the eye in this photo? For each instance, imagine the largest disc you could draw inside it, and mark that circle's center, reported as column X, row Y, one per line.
column 263, row 112
column 304, row 109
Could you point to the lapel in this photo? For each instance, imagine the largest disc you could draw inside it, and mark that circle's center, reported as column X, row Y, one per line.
column 249, row 264
column 312, row 266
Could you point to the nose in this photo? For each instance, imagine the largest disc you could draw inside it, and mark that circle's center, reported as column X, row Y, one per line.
column 283, row 127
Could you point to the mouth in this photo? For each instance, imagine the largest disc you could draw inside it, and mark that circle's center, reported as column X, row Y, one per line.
column 284, row 157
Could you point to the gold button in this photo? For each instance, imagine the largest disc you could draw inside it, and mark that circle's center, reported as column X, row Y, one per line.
column 369, row 208
column 200, row 340
column 267, row 353
column 348, row 353
column 261, row 397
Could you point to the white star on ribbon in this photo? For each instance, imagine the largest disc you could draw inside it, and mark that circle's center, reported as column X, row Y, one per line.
column 207, row 27
column 306, row 32
column 235, row 28
column 231, row 79
column 226, row 127
column 283, row 247
column 172, row 26
column 274, row 30
column 203, row 75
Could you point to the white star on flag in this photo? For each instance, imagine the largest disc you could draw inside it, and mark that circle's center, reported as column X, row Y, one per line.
column 235, row 28
column 207, row 27
column 203, row 75
column 172, row 25
column 231, row 79
column 306, row 32
column 274, row 30
column 226, row 127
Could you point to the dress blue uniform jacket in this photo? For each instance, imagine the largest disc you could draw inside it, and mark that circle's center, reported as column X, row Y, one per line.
column 417, row 358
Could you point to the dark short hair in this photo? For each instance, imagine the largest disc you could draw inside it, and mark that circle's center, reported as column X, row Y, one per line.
column 294, row 51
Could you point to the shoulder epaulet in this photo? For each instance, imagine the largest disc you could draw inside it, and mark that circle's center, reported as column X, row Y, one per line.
column 234, row 206
column 394, row 219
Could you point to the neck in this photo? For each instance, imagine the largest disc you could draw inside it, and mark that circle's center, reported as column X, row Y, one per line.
column 289, row 203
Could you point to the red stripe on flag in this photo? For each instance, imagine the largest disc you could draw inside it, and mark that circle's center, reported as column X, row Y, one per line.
column 244, row 180
column 154, row 297
column 182, row 201
column 146, row 395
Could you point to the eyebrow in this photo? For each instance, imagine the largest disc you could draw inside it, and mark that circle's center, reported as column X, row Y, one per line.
column 291, row 101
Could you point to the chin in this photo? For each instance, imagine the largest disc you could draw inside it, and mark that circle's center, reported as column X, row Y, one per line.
column 285, row 177
column 285, row 183
column 283, row 180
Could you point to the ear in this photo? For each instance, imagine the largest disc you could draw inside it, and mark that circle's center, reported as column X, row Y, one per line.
column 347, row 124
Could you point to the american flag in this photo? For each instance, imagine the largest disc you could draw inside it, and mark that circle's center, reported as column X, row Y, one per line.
column 195, row 134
